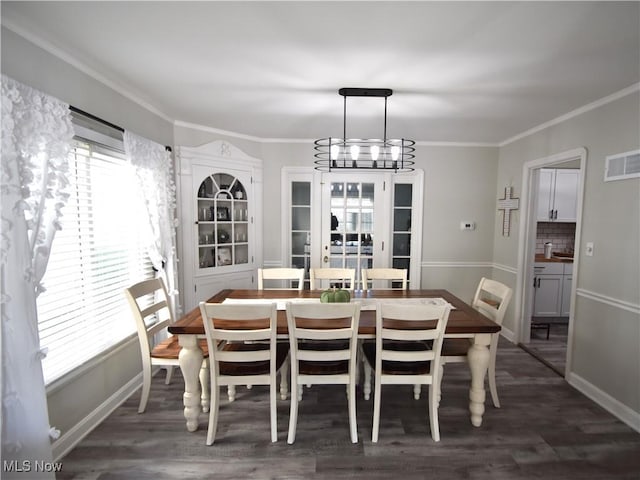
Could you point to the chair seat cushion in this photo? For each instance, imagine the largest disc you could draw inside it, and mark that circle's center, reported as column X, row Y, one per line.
column 252, row 368
column 170, row 348
column 398, row 368
column 455, row 347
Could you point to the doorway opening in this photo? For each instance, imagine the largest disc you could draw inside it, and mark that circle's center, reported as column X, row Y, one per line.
column 549, row 254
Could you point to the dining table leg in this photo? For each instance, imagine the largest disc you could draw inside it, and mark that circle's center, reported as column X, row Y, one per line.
column 190, row 359
column 478, row 359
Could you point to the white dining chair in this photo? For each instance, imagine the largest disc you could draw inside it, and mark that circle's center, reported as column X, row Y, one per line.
column 149, row 304
column 385, row 277
column 407, row 352
column 323, row 339
column 281, row 275
column 244, row 350
column 345, row 278
column 492, row 300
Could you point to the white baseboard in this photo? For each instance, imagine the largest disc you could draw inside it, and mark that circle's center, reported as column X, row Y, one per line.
column 508, row 334
column 606, row 401
column 71, row 438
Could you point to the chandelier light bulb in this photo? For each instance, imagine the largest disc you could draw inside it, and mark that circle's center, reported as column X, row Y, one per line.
column 375, row 151
column 395, row 152
column 335, row 151
column 355, row 152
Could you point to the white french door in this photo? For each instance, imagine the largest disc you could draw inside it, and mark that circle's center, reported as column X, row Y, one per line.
column 354, row 222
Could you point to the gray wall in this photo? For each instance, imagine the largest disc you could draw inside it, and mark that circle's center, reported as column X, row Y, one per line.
column 606, row 348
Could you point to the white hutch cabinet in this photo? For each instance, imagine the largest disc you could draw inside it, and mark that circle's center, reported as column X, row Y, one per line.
column 221, row 214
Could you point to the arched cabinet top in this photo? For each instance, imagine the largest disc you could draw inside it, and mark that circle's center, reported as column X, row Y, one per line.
column 219, row 150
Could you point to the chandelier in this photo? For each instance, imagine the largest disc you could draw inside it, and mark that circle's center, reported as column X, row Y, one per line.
column 368, row 153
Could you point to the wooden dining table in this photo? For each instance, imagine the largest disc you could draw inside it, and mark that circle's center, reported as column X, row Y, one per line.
column 464, row 322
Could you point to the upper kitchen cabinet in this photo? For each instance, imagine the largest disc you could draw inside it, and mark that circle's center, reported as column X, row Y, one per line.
column 558, row 194
column 220, row 192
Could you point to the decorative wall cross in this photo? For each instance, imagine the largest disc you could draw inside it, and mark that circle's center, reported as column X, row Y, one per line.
column 507, row 204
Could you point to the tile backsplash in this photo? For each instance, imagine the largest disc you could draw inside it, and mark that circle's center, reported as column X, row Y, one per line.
column 562, row 235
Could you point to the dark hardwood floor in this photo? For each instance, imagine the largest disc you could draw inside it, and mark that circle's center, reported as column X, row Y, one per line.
column 551, row 351
column 544, row 430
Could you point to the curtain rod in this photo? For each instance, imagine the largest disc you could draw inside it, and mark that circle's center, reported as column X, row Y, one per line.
column 104, row 122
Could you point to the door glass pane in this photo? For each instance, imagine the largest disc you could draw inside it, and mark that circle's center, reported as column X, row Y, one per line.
column 301, row 193
column 402, row 195
column 352, row 225
column 402, row 220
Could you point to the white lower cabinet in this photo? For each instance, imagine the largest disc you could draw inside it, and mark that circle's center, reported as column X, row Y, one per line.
column 552, row 289
column 565, row 307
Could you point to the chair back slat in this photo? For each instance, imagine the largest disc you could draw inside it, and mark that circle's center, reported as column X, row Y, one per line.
column 244, row 357
column 281, row 274
column 346, row 277
column 383, row 276
column 407, row 356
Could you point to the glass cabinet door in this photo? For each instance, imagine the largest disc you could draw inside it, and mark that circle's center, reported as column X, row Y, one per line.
column 402, row 206
column 222, row 222
column 301, row 226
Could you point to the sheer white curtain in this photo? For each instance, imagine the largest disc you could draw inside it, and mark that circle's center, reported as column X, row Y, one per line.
column 36, row 139
column 154, row 170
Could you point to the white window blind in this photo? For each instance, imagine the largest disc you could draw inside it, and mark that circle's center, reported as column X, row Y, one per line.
column 99, row 252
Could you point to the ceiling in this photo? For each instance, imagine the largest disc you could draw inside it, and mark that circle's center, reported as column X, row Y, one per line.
column 464, row 72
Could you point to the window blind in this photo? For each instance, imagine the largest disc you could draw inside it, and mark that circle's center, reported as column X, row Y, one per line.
column 98, row 253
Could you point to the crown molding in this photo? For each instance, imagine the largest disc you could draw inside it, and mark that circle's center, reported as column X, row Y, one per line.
column 242, row 136
column 67, row 58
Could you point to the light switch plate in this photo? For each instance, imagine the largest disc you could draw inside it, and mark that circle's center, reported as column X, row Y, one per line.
column 588, row 251
column 467, row 225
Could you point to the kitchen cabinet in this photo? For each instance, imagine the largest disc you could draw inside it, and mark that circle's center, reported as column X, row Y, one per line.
column 558, row 194
column 567, row 279
column 552, row 289
column 220, row 192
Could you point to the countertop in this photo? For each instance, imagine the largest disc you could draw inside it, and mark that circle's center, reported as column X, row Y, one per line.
column 540, row 258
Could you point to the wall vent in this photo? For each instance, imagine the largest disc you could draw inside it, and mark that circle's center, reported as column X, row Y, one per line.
column 622, row 166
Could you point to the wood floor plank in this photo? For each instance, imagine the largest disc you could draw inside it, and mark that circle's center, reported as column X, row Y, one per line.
column 544, row 430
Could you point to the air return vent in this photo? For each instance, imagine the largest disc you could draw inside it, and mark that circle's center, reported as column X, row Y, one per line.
column 622, row 165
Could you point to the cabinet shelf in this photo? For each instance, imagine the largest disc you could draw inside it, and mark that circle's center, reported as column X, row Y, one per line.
column 222, row 225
